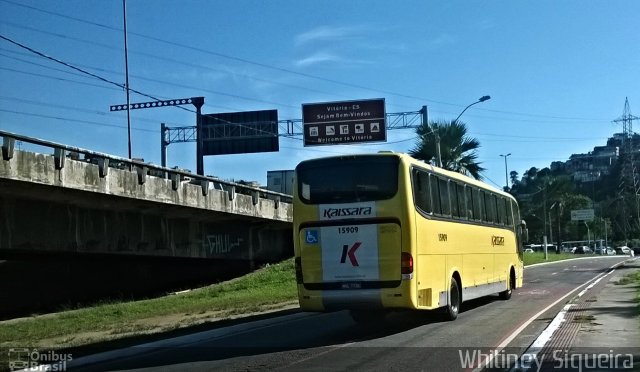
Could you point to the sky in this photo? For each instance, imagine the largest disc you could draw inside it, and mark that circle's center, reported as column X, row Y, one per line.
column 558, row 72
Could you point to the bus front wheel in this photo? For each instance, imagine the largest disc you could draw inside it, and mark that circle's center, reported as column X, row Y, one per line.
column 453, row 307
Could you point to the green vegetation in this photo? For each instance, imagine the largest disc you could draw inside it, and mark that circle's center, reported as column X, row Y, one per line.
column 262, row 290
column 270, row 288
column 538, row 257
column 631, row 278
column 547, row 196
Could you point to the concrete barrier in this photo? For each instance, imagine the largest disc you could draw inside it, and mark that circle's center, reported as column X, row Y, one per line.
column 56, row 204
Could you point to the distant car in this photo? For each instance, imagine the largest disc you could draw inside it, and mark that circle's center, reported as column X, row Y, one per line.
column 528, row 250
column 611, row 251
column 583, row 250
column 624, row 250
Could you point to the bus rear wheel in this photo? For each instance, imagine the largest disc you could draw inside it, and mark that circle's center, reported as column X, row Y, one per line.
column 505, row 295
column 453, row 306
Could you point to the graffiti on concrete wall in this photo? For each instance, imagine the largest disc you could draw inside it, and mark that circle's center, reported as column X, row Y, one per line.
column 222, row 244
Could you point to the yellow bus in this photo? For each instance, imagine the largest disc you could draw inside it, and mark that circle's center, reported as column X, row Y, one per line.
column 385, row 231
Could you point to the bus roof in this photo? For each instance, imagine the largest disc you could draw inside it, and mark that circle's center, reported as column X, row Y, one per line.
column 406, row 158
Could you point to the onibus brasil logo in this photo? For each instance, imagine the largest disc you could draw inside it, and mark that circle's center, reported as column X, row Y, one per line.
column 35, row 360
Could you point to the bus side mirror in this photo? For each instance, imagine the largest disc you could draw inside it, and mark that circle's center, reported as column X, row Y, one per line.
column 524, row 231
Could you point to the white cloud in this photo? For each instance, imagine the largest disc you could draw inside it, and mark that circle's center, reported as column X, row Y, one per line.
column 327, row 57
column 320, row 57
column 327, row 33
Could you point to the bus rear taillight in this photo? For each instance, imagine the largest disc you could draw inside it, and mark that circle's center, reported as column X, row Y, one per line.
column 406, row 261
column 298, row 263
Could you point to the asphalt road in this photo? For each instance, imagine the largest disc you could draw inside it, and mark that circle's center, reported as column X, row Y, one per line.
column 405, row 341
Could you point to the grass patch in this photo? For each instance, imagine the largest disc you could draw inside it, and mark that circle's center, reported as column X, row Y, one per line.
column 583, row 319
column 538, row 257
column 259, row 290
column 630, row 278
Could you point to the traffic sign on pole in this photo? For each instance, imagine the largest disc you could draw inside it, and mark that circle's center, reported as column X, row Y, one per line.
column 582, row 215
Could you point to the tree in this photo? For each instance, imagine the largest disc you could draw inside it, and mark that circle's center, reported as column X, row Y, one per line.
column 513, row 175
column 458, row 150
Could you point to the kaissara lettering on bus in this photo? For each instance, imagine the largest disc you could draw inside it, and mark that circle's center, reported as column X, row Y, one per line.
column 342, row 212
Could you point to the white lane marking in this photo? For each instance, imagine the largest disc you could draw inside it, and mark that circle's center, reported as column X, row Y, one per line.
column 545, row 336
column 337, row 347
column 571, row 260
column 524, row 325
column 594, row 283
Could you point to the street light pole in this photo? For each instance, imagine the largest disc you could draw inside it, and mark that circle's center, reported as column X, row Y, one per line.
column 506, row 178
column 481, row 99
column 588, row 233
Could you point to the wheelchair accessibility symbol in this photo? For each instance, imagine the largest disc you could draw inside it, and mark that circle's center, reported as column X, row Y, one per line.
column 311, row 236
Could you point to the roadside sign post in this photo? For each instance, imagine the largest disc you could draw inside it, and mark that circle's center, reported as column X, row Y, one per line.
column 544, row 241
column 582, row 215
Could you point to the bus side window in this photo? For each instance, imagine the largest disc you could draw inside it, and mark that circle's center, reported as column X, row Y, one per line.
column 421, row 190
column 490, row 202
column 469, row 198
column 499, row 210
column 514, row 213
column 509, row 213
column 461, row 200
column 435, row 194
column 444, row 197
column 455, row 210
column 483, row 212
column 502, row 212
column 477, row 205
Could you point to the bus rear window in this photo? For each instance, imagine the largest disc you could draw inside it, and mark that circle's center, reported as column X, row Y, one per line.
column 347, row 179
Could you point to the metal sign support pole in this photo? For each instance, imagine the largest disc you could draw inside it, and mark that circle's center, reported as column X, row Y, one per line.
column 198, row 102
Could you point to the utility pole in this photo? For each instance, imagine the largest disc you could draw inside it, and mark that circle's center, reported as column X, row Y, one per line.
column 126, row 74
column 506, row 177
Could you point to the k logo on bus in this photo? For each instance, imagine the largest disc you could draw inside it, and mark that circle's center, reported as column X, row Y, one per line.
column 351, row 253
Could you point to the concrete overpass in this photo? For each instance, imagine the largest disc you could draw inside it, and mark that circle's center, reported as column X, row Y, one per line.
column 77, row 201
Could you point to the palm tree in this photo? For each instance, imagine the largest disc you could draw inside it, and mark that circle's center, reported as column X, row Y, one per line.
column 458, row 150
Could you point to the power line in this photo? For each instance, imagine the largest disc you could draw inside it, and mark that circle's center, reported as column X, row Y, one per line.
column 221, row 93
column 162, row 58
column 276, row 68
column 57, row 78
column 95, row 68
column 533, row 139
column 81, row 70
column 45, row 104
column 75, row 120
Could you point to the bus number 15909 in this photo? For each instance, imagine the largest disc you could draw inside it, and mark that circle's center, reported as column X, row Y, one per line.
column 348, row 230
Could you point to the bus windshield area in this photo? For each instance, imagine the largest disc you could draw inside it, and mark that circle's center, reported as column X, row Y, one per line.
column 348, row 179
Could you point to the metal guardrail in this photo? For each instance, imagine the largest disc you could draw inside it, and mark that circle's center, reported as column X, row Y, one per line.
column 60, row 152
